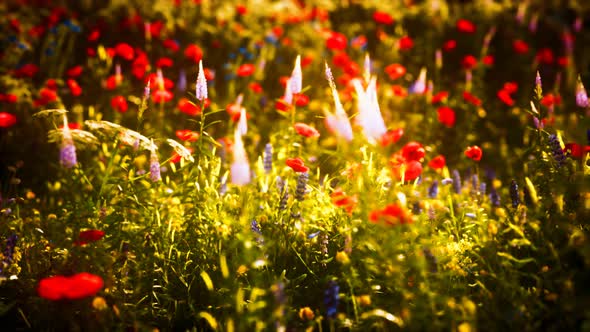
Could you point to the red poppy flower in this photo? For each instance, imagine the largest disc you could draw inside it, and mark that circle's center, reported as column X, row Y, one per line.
column 162, row 96
column 297, row 165
column 473, row 152
column 412, row 171
column 113, row 81
column 187, row 135
column 550, row 100
column 125, row 51
column 255, row 87
column 51, row 84
column 171, row 44
column 75, row 89
column 241, row 10
column 446, row 116
column 7, row 120
column 395, row 71
column 27, row 70
column 437, row 162
column 488, row 60
column 119, row 103
column 193, row 53
column 53, row 288
column 87, row 236
column 83, row 285
column 9, row 98
column 74, row 71
column 94, row 35
column 75, row 287
column 439, row 97
column 399, row 91
column 413, row 151
column 505, row 97
column 305, row 130
column 563, row 61
column 164, row 62
column 510, row 87
column 574, row 150
column 449, row 45
column 246, row 69
column 465, row 26
column 391, row 137
column 470, row 98
column 187, row 107
column 382, row 18
column 340, row 59
column 545, row 56
column 405, row 43
column 282, row 105
column 520, row 46
column 47, row 95
column 300, row 99
column 336, row 41
column 391, row 215
column 469, row 62
column 341, row 199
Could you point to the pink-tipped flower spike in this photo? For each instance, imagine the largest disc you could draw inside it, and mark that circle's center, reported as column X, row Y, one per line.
column 533, row 23
column 201, row 88
column 419, row 87
column 118, row 75
column 367, row 68
column 538, row 86
column 147, row 90
column 578, row 23
column 521, row 12
column 288, row 92
column 438, row 59
column 487, row 39
column 147, row 29
column 296, row 77
column 243, row 122
column 160, row 79
column 67, row 153
column 338, row 121
column 581, row 95
column 369, row 116
column 240, row 168
column 154, row 165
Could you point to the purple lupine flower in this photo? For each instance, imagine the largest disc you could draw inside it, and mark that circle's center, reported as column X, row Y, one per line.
column 433, row 190
column 301, row 189
column 8, row 252
column 457, row 181
column 581, row 95
column 267, row 158
column 514, row 195
column 556, row 150
column 482, row 188
column 154, row 167
column 181, row 85
column 331, row 298
column 494, row 197
column 474, row 182
column 296, row 77
column 67, row 153
column 201, row 88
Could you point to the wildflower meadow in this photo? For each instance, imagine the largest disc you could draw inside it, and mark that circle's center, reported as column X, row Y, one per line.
column 294, row 165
